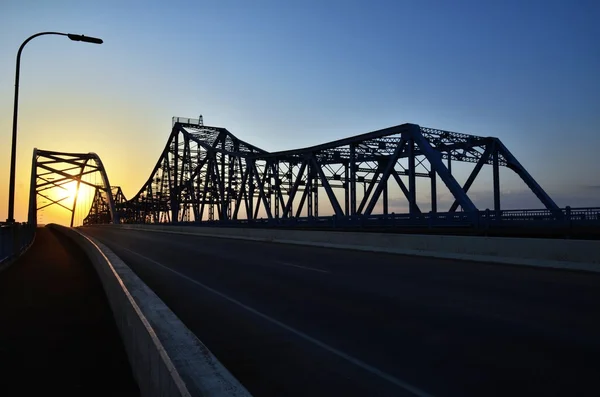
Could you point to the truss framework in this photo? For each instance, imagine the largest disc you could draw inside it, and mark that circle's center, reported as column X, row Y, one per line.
column 207, row 173
column 52, row 172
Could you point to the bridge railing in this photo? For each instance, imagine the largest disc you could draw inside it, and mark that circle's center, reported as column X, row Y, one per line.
column 14, row 239
column 562, row 218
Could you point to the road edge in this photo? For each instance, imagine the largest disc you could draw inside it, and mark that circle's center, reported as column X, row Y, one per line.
column 167, row 358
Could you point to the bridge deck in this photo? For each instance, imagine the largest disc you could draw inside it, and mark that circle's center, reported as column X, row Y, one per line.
column 57, row 333
column 300, row 321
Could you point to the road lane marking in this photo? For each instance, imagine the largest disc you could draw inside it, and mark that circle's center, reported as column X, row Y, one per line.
column 369, row 368
column 304, row 267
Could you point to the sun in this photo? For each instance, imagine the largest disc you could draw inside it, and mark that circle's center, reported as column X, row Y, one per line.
column 71, row 190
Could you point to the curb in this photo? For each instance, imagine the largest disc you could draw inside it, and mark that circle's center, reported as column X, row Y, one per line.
column 167, row 358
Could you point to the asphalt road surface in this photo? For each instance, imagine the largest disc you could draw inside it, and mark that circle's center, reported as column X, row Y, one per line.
column 303, row 321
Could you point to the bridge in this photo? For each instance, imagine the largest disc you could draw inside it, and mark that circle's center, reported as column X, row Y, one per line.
column 238, row 271
column 208, row 174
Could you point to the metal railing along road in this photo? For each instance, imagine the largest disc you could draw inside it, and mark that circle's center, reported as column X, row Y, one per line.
column 14, row 239
column 541, row 218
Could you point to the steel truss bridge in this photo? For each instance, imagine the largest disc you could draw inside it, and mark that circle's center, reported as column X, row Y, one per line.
column 207, row 174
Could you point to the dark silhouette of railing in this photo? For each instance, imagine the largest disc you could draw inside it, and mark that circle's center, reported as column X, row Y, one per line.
column 14, row 239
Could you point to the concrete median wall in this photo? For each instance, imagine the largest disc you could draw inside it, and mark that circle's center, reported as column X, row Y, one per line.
column 167, row 359
column 551, row 253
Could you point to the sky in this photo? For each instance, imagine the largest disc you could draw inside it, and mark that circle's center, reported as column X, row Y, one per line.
column 289, row 74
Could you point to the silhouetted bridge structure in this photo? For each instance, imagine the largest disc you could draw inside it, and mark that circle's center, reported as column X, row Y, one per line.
column 207, row 174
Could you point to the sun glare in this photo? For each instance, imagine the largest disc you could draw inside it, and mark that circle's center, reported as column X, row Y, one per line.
column 64, row 197
column 71, row 190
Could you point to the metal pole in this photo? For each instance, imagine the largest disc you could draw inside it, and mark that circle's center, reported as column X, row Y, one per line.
column 496, row 177
column 412, row 183
column 13, row 150
column 433, row 176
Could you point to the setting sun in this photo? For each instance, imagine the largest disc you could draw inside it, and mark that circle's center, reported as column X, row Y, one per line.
column 71, row 190
column 59, row 200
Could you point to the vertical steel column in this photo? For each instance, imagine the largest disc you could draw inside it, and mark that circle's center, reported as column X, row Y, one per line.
column 268, row 187
column 230, row 176
column 385, row 196
column 352, row 179
column 450, row 163
column 32, row 215
column 290, row 188
column 277, row 188
column 222, row 195
column 316, row 191
column 346, row 190
column 309, row 183
column 183, row 200
column 173, row 192
column 189, row 198
column 205, row 183
column 433, row 177
column 496, row 172
column 412, row 183
column 251, row 165
column 196, row 183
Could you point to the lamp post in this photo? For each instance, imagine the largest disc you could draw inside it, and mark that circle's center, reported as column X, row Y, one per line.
column 13, row 153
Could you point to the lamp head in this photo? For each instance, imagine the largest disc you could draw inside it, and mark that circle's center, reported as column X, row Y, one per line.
column 87, row 39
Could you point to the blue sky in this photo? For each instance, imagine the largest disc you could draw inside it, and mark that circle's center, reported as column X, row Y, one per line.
column 290, row 74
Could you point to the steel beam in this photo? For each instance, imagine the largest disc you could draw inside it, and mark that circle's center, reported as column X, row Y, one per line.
column 391, row 163
column 496, row 176
column 332, row 199
column 435, row 160
column 514, row 165
column 483, row 160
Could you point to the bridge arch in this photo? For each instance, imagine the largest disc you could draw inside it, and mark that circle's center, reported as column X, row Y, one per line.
column 51, row 174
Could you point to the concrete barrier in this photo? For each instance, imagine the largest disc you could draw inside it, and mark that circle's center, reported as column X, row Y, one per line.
column 10, row 254
column 551, row 253
column 167, row 359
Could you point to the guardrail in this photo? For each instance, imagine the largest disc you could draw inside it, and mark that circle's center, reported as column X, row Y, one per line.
column 537, row 252
column 14, row 239
column 567, row 218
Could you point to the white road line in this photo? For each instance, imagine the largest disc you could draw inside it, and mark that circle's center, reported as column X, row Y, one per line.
column 373, row 370
column 304, row 267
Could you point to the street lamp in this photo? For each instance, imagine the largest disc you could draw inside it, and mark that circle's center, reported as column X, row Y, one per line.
column 13, row 153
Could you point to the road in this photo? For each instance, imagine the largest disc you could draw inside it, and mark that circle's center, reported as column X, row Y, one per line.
column 304, row 321
column 57, row 332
